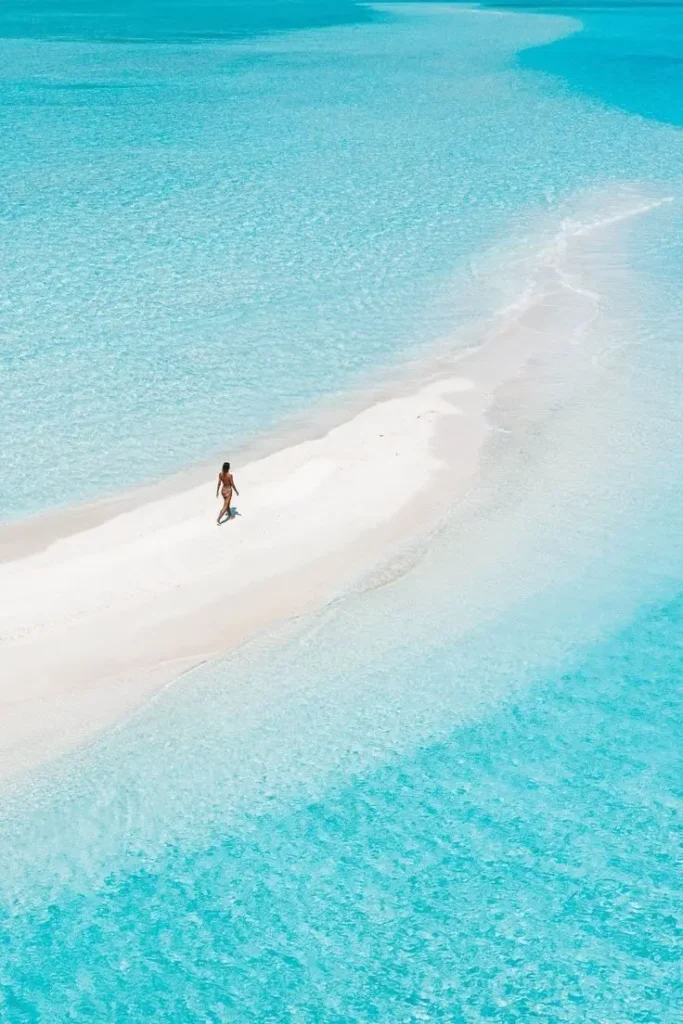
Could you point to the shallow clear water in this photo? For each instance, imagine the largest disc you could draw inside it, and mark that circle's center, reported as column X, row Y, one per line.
column 523, row 868
column 454, row 795
column 198, row 240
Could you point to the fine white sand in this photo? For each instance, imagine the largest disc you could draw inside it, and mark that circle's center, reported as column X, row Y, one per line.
column 94, row 620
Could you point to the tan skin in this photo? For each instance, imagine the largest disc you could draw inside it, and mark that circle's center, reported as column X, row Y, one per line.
column 226, row 485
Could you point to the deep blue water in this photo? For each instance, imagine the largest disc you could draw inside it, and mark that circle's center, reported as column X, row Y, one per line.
column 454, row 797
column 629, row 55
column 170, row 20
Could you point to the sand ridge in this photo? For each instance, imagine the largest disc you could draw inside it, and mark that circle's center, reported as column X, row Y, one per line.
column 96, row 620
column 123, row 596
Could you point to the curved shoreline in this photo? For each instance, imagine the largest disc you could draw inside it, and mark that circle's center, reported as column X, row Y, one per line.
column 104, row 616
column 112, row 601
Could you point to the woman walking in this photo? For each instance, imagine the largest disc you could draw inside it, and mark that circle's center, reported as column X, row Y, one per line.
column 226, row 485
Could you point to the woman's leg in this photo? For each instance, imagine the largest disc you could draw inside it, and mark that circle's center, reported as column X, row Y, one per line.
column 226, row 508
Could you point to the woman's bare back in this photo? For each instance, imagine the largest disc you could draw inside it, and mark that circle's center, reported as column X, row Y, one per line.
column 226, row 485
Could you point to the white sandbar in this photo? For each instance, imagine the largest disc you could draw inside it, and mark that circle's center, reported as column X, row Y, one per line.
column 93, row 621
column 102, row 605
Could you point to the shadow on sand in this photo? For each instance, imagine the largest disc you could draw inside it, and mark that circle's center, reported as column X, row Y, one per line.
column 231, row 514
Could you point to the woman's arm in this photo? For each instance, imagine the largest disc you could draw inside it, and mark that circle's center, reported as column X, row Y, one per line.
column 234, row 485
column 218, row 485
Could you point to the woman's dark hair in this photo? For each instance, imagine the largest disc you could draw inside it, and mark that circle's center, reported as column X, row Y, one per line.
column 226, row 467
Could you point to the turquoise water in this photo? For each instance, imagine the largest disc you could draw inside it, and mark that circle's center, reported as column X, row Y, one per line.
column 524, row 868
column 438, row 827
column 455, row 794
column 169, row 20
column 644, row 79
column 198, row 240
